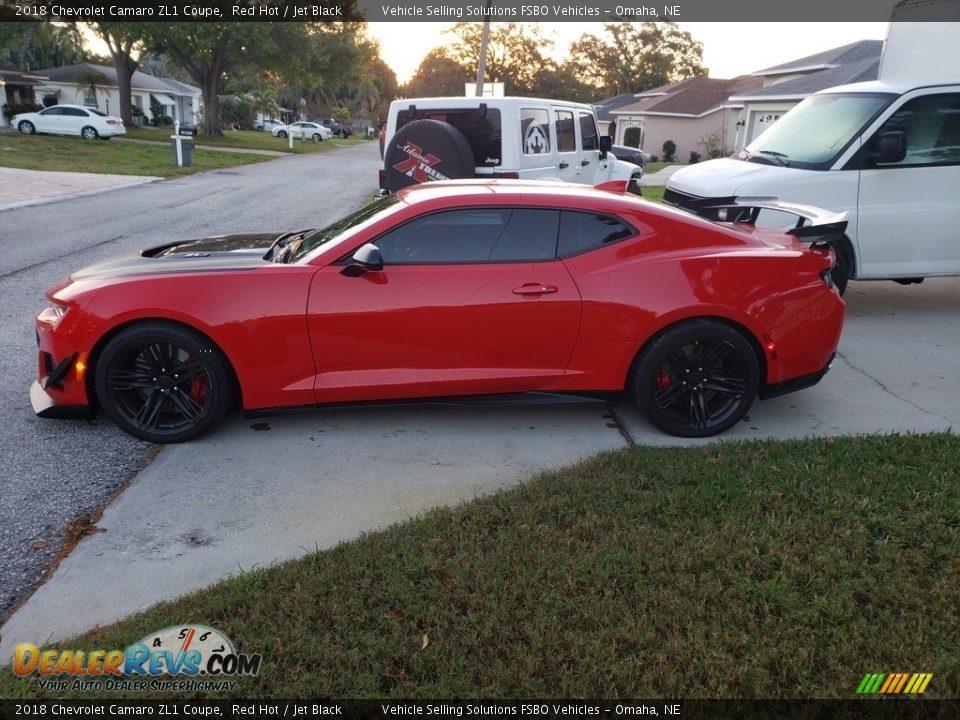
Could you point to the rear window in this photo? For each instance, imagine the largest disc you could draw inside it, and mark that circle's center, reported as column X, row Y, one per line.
column 481, row 127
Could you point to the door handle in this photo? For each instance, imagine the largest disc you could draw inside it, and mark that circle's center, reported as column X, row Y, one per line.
column 584, row 163
column 564, row 166
column 534, row 289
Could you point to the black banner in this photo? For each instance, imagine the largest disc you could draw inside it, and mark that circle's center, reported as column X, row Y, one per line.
column 740, row 11
column 879, row 709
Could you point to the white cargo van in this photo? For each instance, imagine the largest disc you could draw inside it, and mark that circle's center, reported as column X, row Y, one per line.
column 887, row 152
column 511, row 137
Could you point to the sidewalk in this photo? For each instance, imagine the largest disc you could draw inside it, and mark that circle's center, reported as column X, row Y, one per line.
column 19, row 188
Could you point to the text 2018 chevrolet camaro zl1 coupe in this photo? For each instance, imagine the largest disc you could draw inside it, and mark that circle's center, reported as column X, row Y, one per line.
column 452, row 289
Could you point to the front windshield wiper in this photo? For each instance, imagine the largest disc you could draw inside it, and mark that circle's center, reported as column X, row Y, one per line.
column 778, row 156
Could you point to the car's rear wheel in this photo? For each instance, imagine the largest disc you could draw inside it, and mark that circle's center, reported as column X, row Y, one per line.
column 26, row 127
column 696, row 379
column 162, row 383
column 89, row 133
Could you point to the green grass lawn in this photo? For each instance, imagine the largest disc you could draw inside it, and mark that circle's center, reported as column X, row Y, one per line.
column 246, row 139
column 653, row 193
column 46, row 152
column 756, row 569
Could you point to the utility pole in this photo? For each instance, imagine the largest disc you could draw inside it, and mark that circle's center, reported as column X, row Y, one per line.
column 484, row 41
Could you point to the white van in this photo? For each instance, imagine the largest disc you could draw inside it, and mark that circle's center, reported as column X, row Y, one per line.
column 509, row 137
column 887, row 152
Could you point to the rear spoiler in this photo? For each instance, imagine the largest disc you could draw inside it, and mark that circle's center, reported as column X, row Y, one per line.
column 814, row 225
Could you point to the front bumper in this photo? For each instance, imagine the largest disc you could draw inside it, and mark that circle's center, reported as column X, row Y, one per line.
column 46, row 407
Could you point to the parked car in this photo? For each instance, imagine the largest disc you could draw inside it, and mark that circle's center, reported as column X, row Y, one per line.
column 509, row 137
column 631, row 155
column 88, row 123
column 304, row 130
column 338, row 127
column 267, row 124
column 473, row 287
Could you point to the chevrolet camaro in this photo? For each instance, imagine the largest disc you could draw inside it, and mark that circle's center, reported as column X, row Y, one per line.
column 450, row 289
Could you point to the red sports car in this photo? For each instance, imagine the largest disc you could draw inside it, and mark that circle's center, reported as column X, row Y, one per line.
column 461, row 288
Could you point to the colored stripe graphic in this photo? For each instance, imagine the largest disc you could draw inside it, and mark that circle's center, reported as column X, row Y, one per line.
column 894, row 683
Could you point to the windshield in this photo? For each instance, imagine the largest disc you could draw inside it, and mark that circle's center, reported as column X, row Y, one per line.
column 816, row 130
column 317, row 238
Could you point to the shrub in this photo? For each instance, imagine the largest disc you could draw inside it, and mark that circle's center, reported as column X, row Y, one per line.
column 11, row 109
column 162, row 120
column 695, row 157
column 631, row 137
column 654, row 158
column 669, row 151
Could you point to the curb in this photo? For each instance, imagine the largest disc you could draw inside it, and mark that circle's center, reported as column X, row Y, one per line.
column 74, row 195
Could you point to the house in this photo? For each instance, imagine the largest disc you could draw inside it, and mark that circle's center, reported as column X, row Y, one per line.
column 71, row 84
column 605, row 107
column 783, row 86
column 697, row 114
column 18, row 88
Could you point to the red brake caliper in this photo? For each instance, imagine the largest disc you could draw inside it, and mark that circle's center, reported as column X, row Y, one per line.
column 663, row 380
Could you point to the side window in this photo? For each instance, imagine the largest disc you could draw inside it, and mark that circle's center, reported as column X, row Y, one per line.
column 455, row 236
column 580, row 232
column 588, row 132
column 566, row 137
column 529, row 235
column 75, row 112
column 534, row 128
column 53, row 111
column 932, row 126
column 474, row 235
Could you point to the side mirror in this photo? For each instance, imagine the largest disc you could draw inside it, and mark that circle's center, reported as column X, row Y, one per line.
column 367, row 258
column 606, row 142
column 891, row 147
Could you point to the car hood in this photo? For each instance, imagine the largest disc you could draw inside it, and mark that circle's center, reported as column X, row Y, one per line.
column 726, row 177
column 222, row 252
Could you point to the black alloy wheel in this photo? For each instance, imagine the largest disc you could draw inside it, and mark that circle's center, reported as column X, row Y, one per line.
column 162, row 383
column 696, row 379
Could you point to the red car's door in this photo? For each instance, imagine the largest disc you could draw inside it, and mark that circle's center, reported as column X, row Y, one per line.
column 468, row 301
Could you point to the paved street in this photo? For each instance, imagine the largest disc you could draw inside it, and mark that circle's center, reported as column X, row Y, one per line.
column 258, row 491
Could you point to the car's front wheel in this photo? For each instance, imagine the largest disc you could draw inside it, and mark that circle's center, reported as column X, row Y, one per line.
column 89, row 133
column 696, row 379
column 317, row 137
column 26, row 127
column 282, row 134
column 162, row 383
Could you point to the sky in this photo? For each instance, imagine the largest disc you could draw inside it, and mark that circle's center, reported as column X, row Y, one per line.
column 729, row 49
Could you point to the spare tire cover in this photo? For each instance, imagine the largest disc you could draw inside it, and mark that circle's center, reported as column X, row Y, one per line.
column 425, row 150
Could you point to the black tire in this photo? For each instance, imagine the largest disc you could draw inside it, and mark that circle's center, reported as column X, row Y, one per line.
column 163, row 383
column 842, row 268
column 282, row 134
column 317, row 137
column 696, row 379
column 26, row 127
column 89, row 133
column 435, row 138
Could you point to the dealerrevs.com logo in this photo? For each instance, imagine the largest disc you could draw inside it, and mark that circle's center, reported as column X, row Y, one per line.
column 182, row 655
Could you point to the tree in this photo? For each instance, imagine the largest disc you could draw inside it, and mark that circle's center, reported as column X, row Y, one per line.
column 515, row 53
column 306, row 54
column 125, row 42
column 561, row 83
column 633, row 58
column 38, row 45
column 90, row 81
column 438, row 75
